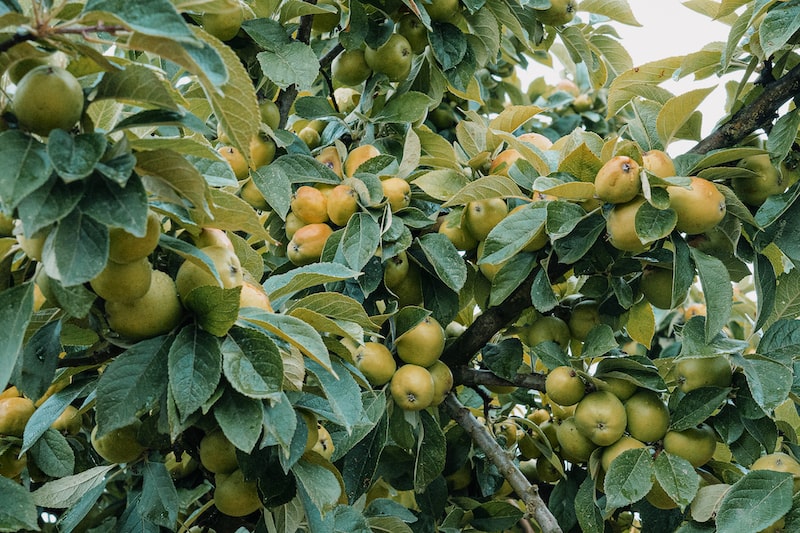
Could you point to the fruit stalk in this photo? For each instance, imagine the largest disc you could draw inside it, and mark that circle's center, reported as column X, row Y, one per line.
column 483, row 439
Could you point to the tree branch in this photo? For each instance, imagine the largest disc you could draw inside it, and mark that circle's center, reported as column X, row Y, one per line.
column 757, row 114
column 481, row 437
column 474, row 376
column 486, row 326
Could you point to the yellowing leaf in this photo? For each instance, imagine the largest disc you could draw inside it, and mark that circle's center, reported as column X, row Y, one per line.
column 618, row 10
column 486, row 187
column 641, row 323
column 234, row 103
column 677, row 112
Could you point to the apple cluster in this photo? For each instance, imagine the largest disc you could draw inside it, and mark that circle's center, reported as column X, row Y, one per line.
column 421, row 379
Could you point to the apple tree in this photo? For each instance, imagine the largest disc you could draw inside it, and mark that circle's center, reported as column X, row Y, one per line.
column 331, row 265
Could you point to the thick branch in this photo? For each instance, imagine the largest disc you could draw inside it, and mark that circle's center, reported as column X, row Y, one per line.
column 486, row 326
column 758, row 114
column 466, row 375
column 484, row 440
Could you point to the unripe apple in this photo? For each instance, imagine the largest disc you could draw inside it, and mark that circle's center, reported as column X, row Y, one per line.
column 700, row 207
column 601, row 417
column 618, row 180
column 412, row 387
column 48, row 97
column 307, row 243
column 422, row 344
column 392, row 58
column 482, row 216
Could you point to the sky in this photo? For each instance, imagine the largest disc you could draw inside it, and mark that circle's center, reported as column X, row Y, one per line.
column 671, row 29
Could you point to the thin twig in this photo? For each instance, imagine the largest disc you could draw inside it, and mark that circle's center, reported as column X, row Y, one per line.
column 287, row 96
column 498, row 456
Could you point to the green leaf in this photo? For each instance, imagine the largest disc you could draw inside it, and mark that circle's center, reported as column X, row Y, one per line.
column 48, row 204
column 76, row 513
column 787, row 297
column 577, row 243
column 116, row 205
column 407, row 107
column 637, row 370
column 781, row 341
column 164, row 117
column 26, row 166
column 292, row 63
column 441, row 184
column 512, row 234
column 174, row 172
column 298, row 279
column 492, row 186
column 252, row 363
column 311, row 107
column 292, row 330
column 769, row 382
column 361, row 239
column 697, row 406
column 19, row 511
column 234, row 103
column 588, row 514
column 495, row 516
column 503, row 359
column 159, row 500
column 543, row 297
column 694, row 344
column 320, row 484
column 629, row 478
column 430, row 453
column 230, row 212
column 135, row 83
column 618, row 10
column 15, row 315
column 53, row 454
column 510, row 276
column 446, row 261
column 581, row 163
column 717, row 290
column 216, row 308
column 195, row 367
column 778, row 26
column 240, row 419
column 151, row 17
column 48, row 412
column 342, row 392
column 641, row 323
column 77, row 250
column 653, row 224
column 74, row 158
column 39, row 362
column 755, row 501
column 132, row 383
column 336, row 306
column 599, row 341
column 677, row 112
column 677, row 477
column 66, row 491
column 448, row 45
column 285, row 427
column 361, row 461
